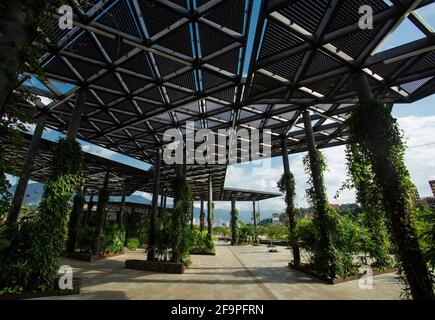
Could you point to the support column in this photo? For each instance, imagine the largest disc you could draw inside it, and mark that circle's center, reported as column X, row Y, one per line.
column 162, row 199
column 191, row 215
column 210, row 207
column 389, row 176
column 120, row 216
column 327, row 261
column 165, row 198
column 254, row 216
column 20, row 191
column 202, row 215
column 74, row 221
column 88, row 211
column 363, row 88
column 103, row 198
column 153, row 213
column 234, row 218
column 76, row 115
column 289, row 200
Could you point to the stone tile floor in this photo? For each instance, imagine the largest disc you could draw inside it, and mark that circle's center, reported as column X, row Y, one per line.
column 240, row 272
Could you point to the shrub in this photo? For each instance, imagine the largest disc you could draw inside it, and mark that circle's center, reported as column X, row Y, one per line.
column 348, row 239
column 199, row 242
column 86, row 239
column 425, row 224
column 112, row 239
column 133, row 243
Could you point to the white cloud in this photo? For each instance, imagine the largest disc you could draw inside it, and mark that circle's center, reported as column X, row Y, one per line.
column 419, row 158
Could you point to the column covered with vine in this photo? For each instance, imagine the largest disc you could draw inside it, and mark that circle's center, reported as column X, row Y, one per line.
column 369, row 195
column 181, row 217
column 54, row 212
column 325, row 256
column 287, row 186
column 234, row 226
column 372, row 127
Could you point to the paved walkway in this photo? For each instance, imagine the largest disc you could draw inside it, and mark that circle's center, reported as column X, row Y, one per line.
column 241, row 272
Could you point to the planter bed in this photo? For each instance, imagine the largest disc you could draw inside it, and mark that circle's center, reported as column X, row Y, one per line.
column 41, row 294
column 307, row 270
column 274, row 242
column 85, row 256
column 158, row 266
column 202, row 252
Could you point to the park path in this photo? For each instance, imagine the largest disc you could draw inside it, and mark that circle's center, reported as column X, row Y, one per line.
column 240, row 272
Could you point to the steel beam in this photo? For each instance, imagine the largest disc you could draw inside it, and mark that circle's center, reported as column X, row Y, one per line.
column 20, row 191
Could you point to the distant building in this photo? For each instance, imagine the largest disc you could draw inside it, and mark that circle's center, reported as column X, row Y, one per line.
column 428, row 202
column 275, row 219
column 416, row 195
column 432, row 186
column 306, row 212
column 336, row 207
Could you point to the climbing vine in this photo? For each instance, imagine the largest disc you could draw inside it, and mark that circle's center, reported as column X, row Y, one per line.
column 325, row 218
column 375, row 131
column 54, row 213
column 368, row 194
column 234, row 227
column 181, row 218
column 288, row 181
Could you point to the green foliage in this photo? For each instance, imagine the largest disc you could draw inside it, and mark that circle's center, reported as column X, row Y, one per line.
column 234, row 226
column 112, row 239
column 425, row 224
column 133, row 243
column 375, row 131
column 54, row 212
column 348, row 238
column 181, row 218
column 15, row 267
column 225, row 231
column 86, row 239
column 199, row 242
column 369, row 195
column 324, row 217
column 246, row 233
column 137, row 226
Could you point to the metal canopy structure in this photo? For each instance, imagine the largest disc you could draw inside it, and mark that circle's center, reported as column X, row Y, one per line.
column 247, row 195
column 95, row 169
column 149, row 66
column 197, row 176
column 135, row 179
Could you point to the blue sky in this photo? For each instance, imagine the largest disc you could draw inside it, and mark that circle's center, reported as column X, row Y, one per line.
column 417, row 121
